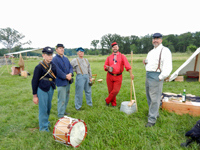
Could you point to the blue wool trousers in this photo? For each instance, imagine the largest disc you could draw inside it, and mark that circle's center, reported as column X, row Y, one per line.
column 63, row 98
column 82, row 83
column 153, row 93
column 45, row 99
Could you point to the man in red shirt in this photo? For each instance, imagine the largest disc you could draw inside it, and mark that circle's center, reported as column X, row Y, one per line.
column 114, row 65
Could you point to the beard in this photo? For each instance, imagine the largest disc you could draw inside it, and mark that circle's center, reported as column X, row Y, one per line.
column 115, row 50
column 156, row 44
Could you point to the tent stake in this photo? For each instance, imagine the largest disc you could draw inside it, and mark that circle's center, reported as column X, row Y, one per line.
column 6, row 63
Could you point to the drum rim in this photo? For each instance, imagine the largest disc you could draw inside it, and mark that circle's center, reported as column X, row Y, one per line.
column 68, row 135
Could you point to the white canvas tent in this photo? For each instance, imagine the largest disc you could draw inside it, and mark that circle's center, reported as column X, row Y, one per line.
column 24, row 51
column 191, row 64
column 19, row 52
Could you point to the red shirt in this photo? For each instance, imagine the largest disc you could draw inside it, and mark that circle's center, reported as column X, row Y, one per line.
column 118, row 67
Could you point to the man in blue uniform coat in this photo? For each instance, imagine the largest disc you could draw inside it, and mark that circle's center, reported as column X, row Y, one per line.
column 64, row 75
column 43, row 85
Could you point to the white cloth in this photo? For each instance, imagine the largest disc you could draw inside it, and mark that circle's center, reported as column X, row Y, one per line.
column 165, row 63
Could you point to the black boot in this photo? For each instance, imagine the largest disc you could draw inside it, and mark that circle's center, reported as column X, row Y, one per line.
column 188, row 142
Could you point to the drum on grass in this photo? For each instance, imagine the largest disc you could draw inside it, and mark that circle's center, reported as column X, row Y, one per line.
column 70, row 131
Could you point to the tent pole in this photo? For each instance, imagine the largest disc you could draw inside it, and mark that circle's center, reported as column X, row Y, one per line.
column 12, row 61
column 196, row 60
column 199, row 69
column 26, row 63
column 6, row 63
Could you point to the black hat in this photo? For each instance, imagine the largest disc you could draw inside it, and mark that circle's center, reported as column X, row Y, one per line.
column 80, row 49
column 47, row 50
column 157, row 35
column 60, row 45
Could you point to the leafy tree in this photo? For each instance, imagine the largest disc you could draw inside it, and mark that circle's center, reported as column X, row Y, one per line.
column 108, row 39
column 146, row 43
column 95, row 43
column 102, row 47
column 134, row 40
column 133, row 48
column 191, row 48
column 184, row 40
column 11, row 38
column 176, row 43
column 126, row 45
column 197, row 39
column 172, row 49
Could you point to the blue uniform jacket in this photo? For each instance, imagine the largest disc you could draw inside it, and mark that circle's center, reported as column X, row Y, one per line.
column 43, row 84
column 63, row 67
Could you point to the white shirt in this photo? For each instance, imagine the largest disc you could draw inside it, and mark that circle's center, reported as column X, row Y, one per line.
column 165, row 63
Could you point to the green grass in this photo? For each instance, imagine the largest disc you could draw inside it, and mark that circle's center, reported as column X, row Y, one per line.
column 108, row 128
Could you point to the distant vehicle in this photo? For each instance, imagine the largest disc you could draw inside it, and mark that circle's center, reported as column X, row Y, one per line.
column 10, row 56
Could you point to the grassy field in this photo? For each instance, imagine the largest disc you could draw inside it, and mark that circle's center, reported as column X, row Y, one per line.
column 108, row 128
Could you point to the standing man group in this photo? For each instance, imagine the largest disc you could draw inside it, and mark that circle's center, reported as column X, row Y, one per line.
column 114, row 65
column 83, row 79
column 158, row 64
column 64, row 76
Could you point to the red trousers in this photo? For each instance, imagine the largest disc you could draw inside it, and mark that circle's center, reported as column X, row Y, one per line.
column 114, row 84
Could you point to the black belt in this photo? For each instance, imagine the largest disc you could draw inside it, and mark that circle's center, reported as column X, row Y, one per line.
column 114, row 74
column 48, row 79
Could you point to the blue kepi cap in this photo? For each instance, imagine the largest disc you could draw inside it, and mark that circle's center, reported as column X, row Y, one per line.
column 80, row 49
column 157, row 35
column 60, row 45
column 47, row 50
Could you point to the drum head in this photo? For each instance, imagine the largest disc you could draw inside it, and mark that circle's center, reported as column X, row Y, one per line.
column 77, row 133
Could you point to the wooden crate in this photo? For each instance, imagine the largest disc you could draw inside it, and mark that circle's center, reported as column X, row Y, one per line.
column 179, row 78
column 181, row 108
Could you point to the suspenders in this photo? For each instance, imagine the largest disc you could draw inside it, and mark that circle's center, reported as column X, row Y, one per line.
column 159, row 61
column 80, row 65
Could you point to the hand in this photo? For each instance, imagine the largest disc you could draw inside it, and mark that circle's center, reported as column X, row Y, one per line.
column 68, row 76
column 107, row 67
column 110, row 68
column 90, row 79
column 132, row 77
column 35, row 100
column 144, row 62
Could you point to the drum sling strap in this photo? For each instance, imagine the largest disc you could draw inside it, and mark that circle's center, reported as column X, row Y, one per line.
column 48, row 69
column 159, row 61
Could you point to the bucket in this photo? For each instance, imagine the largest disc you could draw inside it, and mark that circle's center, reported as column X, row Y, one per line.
column 125, row 108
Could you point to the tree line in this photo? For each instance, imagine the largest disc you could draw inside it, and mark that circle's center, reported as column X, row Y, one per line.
column 140, row 45
column 11, row 38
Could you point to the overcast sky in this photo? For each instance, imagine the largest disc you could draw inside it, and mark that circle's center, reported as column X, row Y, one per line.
column 76, row 23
